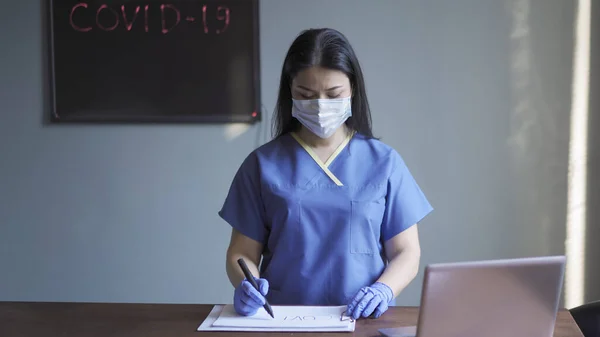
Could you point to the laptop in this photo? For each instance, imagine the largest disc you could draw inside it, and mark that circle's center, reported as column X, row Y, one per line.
column 494, row 298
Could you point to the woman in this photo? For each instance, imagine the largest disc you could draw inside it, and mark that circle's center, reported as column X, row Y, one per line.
column 331, row 210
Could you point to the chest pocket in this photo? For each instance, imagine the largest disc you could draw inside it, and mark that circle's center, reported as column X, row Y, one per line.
column 365, row 225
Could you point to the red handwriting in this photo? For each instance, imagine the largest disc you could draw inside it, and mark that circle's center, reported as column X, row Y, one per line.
column 204, row 19
column 163, row 20
column 223, row 17
column 100, row 25
column 129, row 25
column 109, row 19
column 146, row 17
column 78, row 28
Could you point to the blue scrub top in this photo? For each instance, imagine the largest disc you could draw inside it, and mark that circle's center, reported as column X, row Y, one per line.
column 322, row 242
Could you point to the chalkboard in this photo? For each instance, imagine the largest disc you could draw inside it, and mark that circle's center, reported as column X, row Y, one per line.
column 155, row 61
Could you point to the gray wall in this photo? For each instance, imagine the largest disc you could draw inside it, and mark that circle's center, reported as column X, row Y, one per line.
column 475, row 94
column 592, row 251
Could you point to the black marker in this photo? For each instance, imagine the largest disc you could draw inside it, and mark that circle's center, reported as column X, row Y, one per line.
column 250, row 279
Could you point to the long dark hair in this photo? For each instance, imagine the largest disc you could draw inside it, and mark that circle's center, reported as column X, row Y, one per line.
column 330, row 49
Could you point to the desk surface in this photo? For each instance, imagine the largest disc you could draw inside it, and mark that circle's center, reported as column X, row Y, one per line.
column 28, row 319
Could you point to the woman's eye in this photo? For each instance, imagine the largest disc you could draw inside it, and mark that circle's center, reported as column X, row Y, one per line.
column 306, row 96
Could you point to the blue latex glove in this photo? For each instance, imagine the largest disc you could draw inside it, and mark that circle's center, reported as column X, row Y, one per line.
column 247, row 300
column 370, row 299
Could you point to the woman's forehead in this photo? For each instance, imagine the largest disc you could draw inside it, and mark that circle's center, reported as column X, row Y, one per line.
column 318, row 78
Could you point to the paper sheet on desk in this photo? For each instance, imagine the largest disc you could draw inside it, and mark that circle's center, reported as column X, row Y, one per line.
column 287, row 318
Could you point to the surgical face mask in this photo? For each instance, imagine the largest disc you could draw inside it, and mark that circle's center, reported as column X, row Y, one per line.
column 322, row 116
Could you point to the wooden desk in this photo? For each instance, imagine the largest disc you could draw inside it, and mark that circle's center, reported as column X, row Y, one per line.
column 18, row 319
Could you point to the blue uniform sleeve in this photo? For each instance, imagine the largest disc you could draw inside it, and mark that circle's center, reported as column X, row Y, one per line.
column 406, row 204
column 243, row 208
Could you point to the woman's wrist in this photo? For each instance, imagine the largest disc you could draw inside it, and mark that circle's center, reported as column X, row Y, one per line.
column 385, row 289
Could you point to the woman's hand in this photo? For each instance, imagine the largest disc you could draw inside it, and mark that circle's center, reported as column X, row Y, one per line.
column 247, row 300
column 374, row 299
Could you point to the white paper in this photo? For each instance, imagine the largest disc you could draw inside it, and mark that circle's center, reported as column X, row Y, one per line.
column 287, row 318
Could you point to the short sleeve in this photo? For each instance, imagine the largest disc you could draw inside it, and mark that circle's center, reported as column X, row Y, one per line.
column 243, row 208
column 406, row 204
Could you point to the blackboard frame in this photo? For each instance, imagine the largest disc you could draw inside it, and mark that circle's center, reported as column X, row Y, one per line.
column 214, row 118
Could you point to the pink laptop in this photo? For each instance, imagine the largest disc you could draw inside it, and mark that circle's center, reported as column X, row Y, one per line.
column 495, row 298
